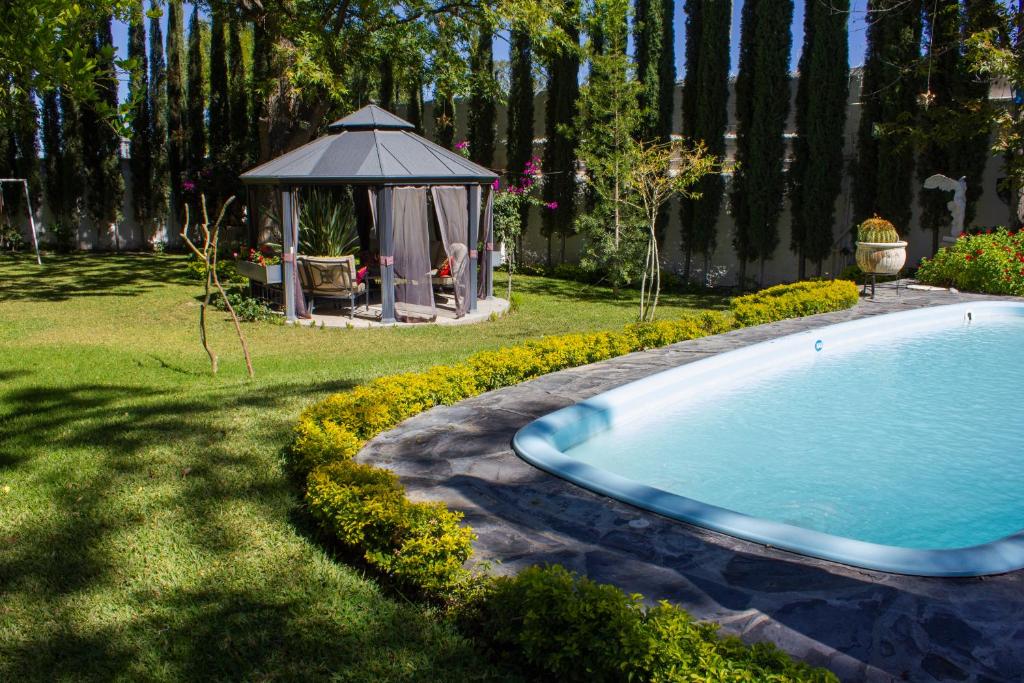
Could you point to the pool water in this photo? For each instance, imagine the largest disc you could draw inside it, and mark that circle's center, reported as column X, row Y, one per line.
column 894, row 442
column 915, row 440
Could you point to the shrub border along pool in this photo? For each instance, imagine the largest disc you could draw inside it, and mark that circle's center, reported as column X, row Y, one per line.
column 422, row 547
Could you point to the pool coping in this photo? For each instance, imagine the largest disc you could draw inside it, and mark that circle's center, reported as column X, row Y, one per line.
column 862, row 624
column 543, row 442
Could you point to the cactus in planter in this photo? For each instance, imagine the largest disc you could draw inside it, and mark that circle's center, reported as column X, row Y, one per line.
column 877, row 230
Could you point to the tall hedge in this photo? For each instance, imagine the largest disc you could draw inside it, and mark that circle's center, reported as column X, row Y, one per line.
column 52, row 137
column 520, row 135
column 705, row 117
column 884, row 173
column 818, row 165
column 483, row 107
column 762, row 104
column 414, row 102
column 176, row 118
column 158, row 116
column 142, row 124
column 559, row 187
column 238, row 89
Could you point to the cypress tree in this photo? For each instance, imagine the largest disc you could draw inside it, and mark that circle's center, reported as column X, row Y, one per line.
column 974, row 152
column 20, row 156
column 53, row 150
column 705, row 117
column 943, row 69
column 101, row 143
column 482, row 102
column 414, row 107
column 520, row 111
column 817, row 172
column 387, row 82
column 158, row 116
column 884, row 173
column 177, row 135
column 219, row 137
column 762, row 103
column 238, row 133
column 141, row 161
column 220, row 114
column 262, row 47
column 72, row 164
column 654, row 40
column 195, row 113
column 559, row 186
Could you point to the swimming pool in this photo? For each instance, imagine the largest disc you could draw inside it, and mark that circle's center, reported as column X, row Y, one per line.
column 894, row 442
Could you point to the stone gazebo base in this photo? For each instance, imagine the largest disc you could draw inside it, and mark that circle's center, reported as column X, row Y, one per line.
column 338, row 317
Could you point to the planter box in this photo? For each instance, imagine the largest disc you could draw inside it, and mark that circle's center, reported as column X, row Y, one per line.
column 268, row 275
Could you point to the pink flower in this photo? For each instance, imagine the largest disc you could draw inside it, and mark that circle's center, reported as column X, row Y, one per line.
column 462, row 144
column 496, row 185
column 552, row 205
column 188, row 185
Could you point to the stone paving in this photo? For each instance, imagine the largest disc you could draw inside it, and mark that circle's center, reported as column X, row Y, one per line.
column 864, row 625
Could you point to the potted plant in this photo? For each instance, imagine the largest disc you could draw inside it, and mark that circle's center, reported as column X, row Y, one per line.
column 261, row 265
column 880, row 251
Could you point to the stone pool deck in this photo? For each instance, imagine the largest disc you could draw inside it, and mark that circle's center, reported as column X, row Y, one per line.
column 864, row 625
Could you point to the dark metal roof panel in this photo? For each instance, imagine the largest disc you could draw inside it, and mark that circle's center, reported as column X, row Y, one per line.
column 370, row 117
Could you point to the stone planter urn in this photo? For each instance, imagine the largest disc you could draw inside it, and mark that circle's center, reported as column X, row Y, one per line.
column 881, row 258
column 268, row 275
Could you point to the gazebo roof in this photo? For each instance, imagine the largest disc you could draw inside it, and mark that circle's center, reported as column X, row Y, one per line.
column 369, row 146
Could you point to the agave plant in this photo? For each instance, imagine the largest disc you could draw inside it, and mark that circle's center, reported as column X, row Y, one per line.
column 877, row 230
column 327, row 225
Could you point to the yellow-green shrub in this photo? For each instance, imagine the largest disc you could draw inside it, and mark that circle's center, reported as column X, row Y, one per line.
column 794, row 301
column 420, row 545
column 554, row 625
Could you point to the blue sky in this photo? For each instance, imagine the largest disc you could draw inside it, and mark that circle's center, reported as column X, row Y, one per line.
column 857, row 38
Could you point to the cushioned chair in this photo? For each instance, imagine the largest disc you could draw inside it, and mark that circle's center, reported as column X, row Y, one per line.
column 331, row 278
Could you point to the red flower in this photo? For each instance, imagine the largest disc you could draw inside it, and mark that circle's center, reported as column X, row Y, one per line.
column 969, row 257
column 979, row 252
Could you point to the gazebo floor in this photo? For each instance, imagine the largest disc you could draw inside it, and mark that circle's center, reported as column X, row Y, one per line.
column 328, row 316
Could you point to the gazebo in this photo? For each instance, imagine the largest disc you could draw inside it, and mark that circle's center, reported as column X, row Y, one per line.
column 392, row 172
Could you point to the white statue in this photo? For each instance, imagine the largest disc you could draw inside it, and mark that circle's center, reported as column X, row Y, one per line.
column 958, row 205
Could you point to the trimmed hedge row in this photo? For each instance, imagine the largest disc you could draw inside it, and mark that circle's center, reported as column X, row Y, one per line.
column 794, row 301
column 422, row 546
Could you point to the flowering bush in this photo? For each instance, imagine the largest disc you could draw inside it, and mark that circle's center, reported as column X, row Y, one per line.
column 793, row 301
column 265, row 256
column 990, row 262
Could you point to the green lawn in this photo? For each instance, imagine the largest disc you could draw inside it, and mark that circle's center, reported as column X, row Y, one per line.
column 146, row 528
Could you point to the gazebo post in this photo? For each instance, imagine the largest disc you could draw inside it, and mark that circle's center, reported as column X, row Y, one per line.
column 474, row 236
column 250, row 217
column 387, row 255
column 288, row 253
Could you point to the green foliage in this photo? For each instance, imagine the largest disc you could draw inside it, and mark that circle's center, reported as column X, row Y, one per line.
column 10, row 237
column 553, row 624
column 420, row 545
column 818, row 167
column 219, row 106
column 327, row 224
column 227, row 272
column 614, row 230
column 247, row 308
column 990, row 263
column 884, row 172
column 794, row 301
column 705, row 116
column 762, row 103
column 877, row 230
